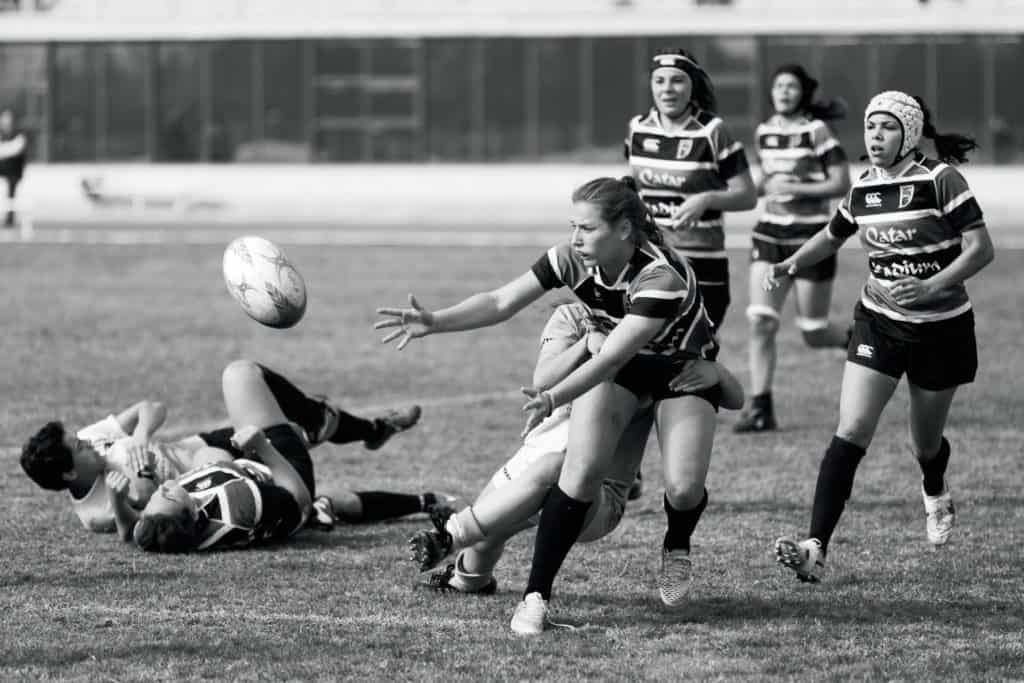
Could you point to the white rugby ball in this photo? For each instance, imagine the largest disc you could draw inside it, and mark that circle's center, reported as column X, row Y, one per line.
column 264, row 282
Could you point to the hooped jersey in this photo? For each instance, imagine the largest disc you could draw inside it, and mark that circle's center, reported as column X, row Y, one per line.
column 654, row 284
column 107, row 437
column 910, row 225
column 669, row 167
column 242, row 505
column 803, row 150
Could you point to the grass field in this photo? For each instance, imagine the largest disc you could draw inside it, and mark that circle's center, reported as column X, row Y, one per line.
column 90, row 329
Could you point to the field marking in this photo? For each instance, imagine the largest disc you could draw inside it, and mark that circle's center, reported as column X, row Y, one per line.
column 385, row 237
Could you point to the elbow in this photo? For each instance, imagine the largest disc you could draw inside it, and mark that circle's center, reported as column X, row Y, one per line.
column 748, row 200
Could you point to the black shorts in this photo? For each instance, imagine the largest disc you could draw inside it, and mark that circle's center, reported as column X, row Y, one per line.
column 770, row 252
column 945, row 358
column 713, row 282
column 281, row 437
column 648, row 377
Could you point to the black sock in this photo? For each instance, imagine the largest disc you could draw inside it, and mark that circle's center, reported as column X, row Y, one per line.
column 381, row 505
column 561, row 521
column 762, row 403
column 681, row 523
column 352, row 428
column 309, row 413
column 934, row 470
column 835, row 482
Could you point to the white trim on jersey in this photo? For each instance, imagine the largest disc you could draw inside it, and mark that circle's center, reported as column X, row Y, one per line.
column 957, row 201
column 846, row 214
column 673, row 164
column 892, row 216
column 785, row 241
column 669, row 223
column 736, row 146
column 793, row 219
column 659, row 294
column 788, row 153
column 922, row 317
column 696, row 253
column 913, row 251
column 831, row 143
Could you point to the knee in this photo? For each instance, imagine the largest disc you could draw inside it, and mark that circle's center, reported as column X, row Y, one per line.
column 684, row 495
column 238, row 371
column 857, row 431
column 814, row 331
column 925, row 447
column 764, row 320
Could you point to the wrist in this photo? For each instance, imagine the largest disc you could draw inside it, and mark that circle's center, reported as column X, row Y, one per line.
column 549, row 401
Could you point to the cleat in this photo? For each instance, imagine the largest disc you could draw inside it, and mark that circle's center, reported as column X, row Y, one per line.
column 940, row 516
column 327, row 427
column 675, row 576
column 531, row 616
column 805, row 558
column 430, row 547
column 322, row 517
column 755, row 420
column 394, row 422
column 636, row 489
column 449, row 581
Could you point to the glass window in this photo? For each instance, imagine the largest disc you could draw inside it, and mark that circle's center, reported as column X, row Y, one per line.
column 1007, row 125
column 901, row 66
column 73, row 103
column 504, row 85
column 453, row 98
column 23, row 90
column 123, row 130
column 960, row 92
column 558, row 101
column 617, row 82
column 284, row 87
column 231, row 106
column 178, row 126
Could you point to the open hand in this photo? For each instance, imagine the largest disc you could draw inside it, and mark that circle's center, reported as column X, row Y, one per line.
column 138, row 459
column 696, row 375
column 910, row 290
column 690, row 211
column 117, row 483
column 411, row 322
column 539, row 407
column 773, row 276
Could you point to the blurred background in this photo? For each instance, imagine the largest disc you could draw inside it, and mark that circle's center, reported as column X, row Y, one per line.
column 321, row 81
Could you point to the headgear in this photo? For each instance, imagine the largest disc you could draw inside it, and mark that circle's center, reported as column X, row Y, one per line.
column 904, row 109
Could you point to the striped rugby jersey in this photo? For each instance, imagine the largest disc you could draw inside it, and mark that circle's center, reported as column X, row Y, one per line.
column 803, row 149
column 910, row 225
column 654, row 284
column 243, row 506
column 669, row 167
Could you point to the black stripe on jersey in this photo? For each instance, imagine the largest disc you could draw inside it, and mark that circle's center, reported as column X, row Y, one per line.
column 840, row 227
column 546, row 275
column 895, row 266
column 207, row 478
column 611, row 301
column 733, row 165
column 785, row 140
column 965, row 215
column 650, row 307
column 672, row 148
column 915, row 194
column 834, row 156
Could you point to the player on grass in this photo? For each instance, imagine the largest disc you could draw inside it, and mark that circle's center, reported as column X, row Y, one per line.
column 57, row 459
column 515, row 494
column 924, row 235
column 803, row 167
column 265, row 495
column 647, row 300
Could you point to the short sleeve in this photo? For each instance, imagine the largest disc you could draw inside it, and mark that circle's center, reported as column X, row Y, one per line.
column 559, row 267
column 826, row 145
column 731, row 158
column 107, row 429
column 658, row 292
column 843, row 224
column 957, row 202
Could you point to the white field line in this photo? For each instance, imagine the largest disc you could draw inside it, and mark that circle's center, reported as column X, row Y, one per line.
column 385, row 237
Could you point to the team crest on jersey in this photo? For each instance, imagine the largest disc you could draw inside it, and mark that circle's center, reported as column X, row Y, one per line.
column 906, row 195
column 684, row 149
column 651, row 145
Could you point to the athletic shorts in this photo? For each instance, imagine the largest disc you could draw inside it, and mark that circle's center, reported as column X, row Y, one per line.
column 648, row 376
column 713, row 282
column 945, row 359
column 282, row 437
column 770, row 252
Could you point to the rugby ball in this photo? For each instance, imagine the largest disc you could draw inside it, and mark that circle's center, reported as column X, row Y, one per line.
column 264, row 282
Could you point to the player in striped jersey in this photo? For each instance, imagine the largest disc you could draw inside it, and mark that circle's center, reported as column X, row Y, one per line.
column 648, row 303
column 802, row 168
column 924, row 235
column 57, row 459
column 515, row 494
column 689, row 169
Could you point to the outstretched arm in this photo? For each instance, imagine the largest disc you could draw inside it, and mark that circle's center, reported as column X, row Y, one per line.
column 816, row 249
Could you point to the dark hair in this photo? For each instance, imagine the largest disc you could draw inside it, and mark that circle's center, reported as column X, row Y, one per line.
column 166, row 533
column 617, row 199
column 46, row 458
column 824, row 109
column 703, row 88
column 951, row 148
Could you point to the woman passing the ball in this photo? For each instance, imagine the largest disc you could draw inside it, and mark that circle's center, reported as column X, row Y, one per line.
column 689, row 170
column 646, row 300
column 924, row 235
column 802, row 169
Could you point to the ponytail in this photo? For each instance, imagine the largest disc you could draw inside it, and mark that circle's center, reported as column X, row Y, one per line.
column 949, row 147
column 827, row 110
column 646, row 225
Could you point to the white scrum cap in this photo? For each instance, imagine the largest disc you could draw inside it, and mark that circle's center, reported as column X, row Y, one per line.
column 906, row 110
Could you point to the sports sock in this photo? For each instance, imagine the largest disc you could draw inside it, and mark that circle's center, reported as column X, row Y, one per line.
column 381, row 505
column 468, row 581
column 934, row 469
column 308, row 412
column 561, row 521
column 835, row 482
column 762, row 403
column 464, row 528
column 681, row 523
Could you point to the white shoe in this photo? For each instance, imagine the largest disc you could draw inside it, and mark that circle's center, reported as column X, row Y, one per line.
column 531, row 615
column 941, row 515
column 805, row 557
column 674, row 577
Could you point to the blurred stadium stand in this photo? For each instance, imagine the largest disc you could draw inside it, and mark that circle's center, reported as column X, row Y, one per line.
column 468, row 80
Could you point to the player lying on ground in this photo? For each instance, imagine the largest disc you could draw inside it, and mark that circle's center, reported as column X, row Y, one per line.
column 512, row 500
column 57, row 459
column 266, row 495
